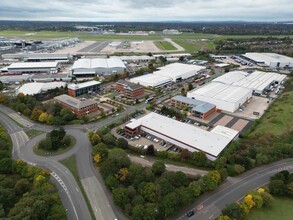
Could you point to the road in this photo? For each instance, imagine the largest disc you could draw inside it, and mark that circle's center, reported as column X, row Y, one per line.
column 234, row 189
column 71, row 197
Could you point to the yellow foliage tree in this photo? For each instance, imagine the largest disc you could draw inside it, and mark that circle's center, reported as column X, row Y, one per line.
column 122, row 174
column 215, row 175
column 247, row 204
column 97, row 158
column 43, row 117
column 260, row 190
column 224, row 217
column 39, row 180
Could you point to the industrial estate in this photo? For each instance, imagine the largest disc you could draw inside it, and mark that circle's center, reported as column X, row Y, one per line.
column 196, row 114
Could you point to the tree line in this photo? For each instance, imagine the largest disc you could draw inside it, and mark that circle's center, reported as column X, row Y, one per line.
column 25, row 191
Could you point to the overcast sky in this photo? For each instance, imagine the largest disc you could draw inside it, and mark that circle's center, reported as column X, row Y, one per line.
column 147, row 10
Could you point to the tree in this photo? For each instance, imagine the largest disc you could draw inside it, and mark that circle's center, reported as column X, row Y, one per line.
column 138, row 212
column 1, row 86
column 149, row 192
column 199, row 158
column 215, row 175
column 164, row 186
column 43, row 117
column 170, row 203
column 277, row 187
column 120, row 196
column 247, row 204
column 122, row 174
column 94, row 138
column 122, row 143
column 268, row 199
column 36, row 114
column 100, row 149
column 190, row 87
column 22, row 186
column 111, row 182
column 158, row 167
column 233, row 210
column 209, row 183
column 195, row 189
column 97, row 158
column 109, row 139
column 150, row 150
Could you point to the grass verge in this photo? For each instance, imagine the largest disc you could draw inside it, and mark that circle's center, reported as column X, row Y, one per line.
column 282, row 209
column 46, row 153
column 33, row 133
column 70, row 163
column 164, row 45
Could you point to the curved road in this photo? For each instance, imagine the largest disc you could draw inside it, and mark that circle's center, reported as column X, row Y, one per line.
column 209, row 205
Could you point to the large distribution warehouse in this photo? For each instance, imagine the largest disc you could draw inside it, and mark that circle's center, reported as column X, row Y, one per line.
column 97, row 66
column 34, row 67
column 225, row 97
column 179, row 71
column 212, row 143
column 257, row 81
column 152, row 80
column 37, row 88
column 272, row 60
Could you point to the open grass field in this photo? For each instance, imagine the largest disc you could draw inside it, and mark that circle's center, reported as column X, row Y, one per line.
column 33, row 133
column 164, row 45
column 194, row 45
column 279, row 118
column 281, row 210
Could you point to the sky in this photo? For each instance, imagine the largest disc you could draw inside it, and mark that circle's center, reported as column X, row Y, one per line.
column 147, row 10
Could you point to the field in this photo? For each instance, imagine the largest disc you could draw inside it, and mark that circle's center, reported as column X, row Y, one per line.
column 279, row 118
column 164, row 45
column 282, row 210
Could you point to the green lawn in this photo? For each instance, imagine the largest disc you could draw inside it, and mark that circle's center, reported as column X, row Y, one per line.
column 191, row 46
column 281, row 210
column 43, row 152
column 279, row 118
column 33, row 133
column 70, row 163
column 164, row 45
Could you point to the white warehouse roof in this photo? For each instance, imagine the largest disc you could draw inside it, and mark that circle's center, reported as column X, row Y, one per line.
column 225, row 97
column 29, row 65
column 256, row 81
column 193, row 138
column 270, row 59
column 83, row 85
column 36, row 88
column 152, row 80
column 179, row 71
column 98, row 63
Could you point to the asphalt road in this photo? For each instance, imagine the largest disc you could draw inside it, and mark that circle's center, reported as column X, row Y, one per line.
column 209, row 205
column 70, row 194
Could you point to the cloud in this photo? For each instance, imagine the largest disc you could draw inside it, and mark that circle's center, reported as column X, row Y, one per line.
column 147, row 10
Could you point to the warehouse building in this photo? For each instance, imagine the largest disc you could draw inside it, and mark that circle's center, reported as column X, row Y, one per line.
column 179, row 71
column 129, row 89
column 38, row 88
column 34, row 67
column 257, row 81
column 15, row 79
column 39, row 57
column 85, row 88
column 152, row 80
column 272, row 60
column 194, row 139
column 198, row 108
column 225, row 97
column 79, row 107
column 97, row 66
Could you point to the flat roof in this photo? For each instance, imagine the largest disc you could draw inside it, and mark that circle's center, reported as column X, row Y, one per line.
column 94, row 63
column 19, row 78
column 75, row 103
column 267, row 58
column 130, row 85
column 176, row 70
column 36, row 88
column 74, row 86
column 195, row 138
column 220, row 91
column 257, row 80
column 29, row 65
column 199, row 106
column 151, row 80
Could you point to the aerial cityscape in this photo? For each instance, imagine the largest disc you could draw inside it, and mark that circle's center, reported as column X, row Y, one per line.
column 146, row 110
